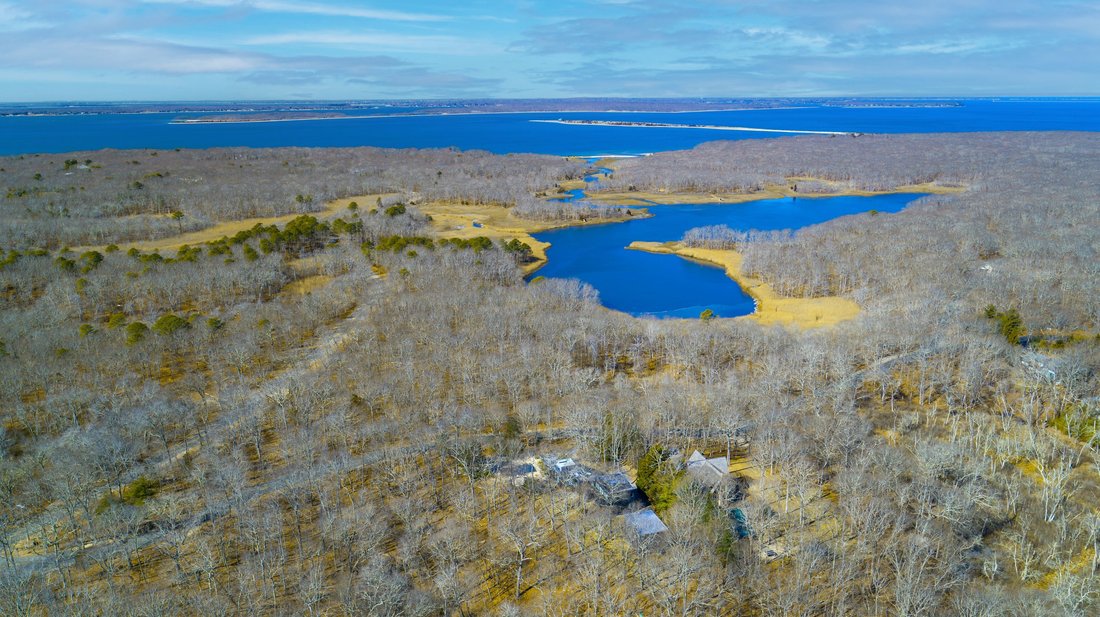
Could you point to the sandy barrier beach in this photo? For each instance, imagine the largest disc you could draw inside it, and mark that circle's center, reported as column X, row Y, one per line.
column 707, row 127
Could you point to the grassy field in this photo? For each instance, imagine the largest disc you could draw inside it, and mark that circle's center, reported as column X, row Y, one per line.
column 456, row 220
column 332, row 209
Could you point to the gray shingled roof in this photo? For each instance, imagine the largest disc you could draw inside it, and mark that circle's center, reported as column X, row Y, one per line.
column 645, row 522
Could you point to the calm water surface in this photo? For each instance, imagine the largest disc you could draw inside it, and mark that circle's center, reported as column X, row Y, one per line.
column 647, row 284
column 504, row 133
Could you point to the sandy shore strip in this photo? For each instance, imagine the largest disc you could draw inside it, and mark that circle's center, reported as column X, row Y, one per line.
column 707, row 127
column 201, row 122
column 771, row 308
column 461, row 113
column 650, row 198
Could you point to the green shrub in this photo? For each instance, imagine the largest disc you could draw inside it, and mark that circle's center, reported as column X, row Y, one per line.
column 657, row 478
column 135, row 332
column 169, row 324
column 139, row 490
column 65, row 264
column 133, row 494
column 1010, row 325
column 188, row 253
column 401, row 243
column 520, row 248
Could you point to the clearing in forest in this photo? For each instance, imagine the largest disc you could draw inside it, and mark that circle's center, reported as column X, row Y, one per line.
column 457, row 220
column 332, row 210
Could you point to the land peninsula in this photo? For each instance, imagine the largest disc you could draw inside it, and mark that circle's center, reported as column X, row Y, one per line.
column 790, row 188
column 467, row 221
column 708, row 127
column 287, row 116
column 771, row 308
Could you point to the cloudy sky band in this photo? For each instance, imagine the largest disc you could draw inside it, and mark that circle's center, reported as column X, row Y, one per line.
column 341, row 49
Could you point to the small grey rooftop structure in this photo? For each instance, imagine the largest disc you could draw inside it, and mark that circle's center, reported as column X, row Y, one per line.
column 615, row 489
column 562, row 464
column 645, row 522
column 708, row 470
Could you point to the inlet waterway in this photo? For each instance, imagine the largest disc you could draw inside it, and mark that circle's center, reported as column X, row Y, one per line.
column 646, row 284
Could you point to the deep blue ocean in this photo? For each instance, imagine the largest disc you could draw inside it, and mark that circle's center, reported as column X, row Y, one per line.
column 505, row 133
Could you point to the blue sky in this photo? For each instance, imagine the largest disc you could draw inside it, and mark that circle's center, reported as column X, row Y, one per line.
column 343, row 49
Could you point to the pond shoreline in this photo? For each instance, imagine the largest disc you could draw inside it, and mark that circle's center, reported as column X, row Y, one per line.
column 456, row 220
column 771, row 308
column 644, row 198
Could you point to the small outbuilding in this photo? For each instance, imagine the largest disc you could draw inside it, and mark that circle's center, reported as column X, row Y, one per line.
column 562, row 465
column 615, row 489
column 645, row 522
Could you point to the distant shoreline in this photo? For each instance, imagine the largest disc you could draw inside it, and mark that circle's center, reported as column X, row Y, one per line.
column 7, row 111
column 707, row 127
column 231, row 118
column 239, row 120
column 245, row 120
column 888, row 105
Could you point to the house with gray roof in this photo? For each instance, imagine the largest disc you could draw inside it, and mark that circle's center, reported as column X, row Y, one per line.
column 645, row 522
column 709, row 471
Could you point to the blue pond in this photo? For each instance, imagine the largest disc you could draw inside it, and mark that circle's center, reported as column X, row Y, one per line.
column 647, row 284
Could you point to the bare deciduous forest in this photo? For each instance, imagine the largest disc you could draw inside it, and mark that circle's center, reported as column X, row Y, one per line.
column 95, row 198
column 352, row 415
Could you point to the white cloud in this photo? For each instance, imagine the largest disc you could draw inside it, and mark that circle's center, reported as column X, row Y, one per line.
column 14, row 18
column 309, row 8
column 376, row 40
column 940, row 47
column 121, row 53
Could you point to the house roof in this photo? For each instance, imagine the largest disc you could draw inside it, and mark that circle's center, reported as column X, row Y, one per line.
column 614, row 488
column 615, row 481
column 698, row 465
column 562, row 463
column 645, row 522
